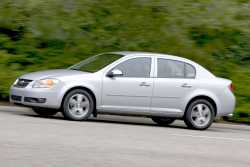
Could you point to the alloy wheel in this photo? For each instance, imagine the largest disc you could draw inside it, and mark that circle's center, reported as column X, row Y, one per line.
column 78, row 105
column 201, row 115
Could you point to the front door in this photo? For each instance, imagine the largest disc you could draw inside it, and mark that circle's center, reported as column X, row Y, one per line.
column 130, row 92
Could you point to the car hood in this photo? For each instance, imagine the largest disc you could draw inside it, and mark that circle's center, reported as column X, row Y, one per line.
column 52, row 74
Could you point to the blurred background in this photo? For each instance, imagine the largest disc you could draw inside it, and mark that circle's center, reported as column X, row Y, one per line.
column 46, row 34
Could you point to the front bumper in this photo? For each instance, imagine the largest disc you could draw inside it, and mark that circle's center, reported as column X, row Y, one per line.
column 36, row 97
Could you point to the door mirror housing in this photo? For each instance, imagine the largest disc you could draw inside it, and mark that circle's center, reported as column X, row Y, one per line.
column 115, row 73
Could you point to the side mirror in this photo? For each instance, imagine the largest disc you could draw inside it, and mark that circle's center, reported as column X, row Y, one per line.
column 115, row 73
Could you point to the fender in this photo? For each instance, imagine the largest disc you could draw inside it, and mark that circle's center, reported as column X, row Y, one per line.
column 85, row 84
column 201, row 92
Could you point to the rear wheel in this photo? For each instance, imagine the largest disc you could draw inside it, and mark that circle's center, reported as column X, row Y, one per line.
column 163, row 121
column 78, row 105
column 200, row 114
column 45, row 111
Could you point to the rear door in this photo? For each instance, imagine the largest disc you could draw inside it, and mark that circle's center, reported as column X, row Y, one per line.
column 174, row 80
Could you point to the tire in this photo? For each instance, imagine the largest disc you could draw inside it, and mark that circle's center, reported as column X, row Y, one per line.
column 163, row 121
column 199, row 115
column 78, row 105
column 45, row 111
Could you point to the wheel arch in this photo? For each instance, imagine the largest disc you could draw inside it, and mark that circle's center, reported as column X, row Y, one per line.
column 205, row 97
column 82, row 88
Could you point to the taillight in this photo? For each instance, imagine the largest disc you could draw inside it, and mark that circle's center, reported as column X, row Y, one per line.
column 231, row 87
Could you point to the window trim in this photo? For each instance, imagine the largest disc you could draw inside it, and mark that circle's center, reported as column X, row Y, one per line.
column 156, row 71
column 185, row 71
column 130, row 58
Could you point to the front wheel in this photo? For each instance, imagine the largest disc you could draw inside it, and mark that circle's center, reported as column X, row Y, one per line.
column 78, row 105
column 199, row 115
column 163, row 121
column 45, row 112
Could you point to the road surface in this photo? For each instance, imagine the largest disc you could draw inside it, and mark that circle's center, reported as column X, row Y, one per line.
column 29, row 140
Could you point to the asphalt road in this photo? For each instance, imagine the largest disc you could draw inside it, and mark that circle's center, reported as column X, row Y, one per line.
column 29, row 140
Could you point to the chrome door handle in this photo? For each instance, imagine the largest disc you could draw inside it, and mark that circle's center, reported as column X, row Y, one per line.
column 144, row 84
column 186, row 85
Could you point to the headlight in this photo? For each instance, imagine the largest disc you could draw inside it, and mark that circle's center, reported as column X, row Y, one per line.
column 45, row 83
column 16, row 81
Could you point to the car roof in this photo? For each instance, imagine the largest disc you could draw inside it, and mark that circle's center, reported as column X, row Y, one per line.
column 127, row 53
column 138, row 53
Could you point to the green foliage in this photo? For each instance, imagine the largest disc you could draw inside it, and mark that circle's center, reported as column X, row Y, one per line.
column 45, row 34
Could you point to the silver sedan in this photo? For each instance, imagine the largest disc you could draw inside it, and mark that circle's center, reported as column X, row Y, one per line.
column 159, row 86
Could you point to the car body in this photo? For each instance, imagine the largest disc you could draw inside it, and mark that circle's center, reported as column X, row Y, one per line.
column 155, row 85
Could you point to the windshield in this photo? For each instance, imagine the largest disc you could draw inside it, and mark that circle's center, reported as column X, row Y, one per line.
column 96, row 63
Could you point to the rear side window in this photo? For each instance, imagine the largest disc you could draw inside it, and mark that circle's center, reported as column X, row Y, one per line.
column 189, row 71
column 170, row 69
column 174, row 69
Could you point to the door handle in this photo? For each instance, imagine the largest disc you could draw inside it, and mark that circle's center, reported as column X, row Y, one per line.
column 144, row 84
column 186, row 85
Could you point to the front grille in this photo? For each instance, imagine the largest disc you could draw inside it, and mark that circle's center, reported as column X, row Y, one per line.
column 22, row 83
column 16, row 98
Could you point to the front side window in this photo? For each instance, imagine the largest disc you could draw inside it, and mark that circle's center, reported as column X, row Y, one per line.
column 174, row 69
column 136, row 67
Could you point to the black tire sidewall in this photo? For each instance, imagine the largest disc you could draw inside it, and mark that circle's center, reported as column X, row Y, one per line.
column 65, row 111
column 163, row 121
column 188, row 119
column 45, row 111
